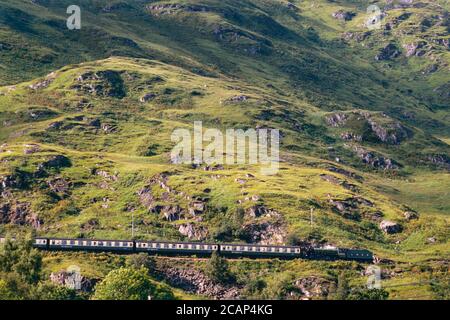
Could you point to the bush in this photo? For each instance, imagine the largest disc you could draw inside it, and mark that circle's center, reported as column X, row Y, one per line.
column 141, row 260
column 217, row 269
column 130, row 284
column 369, row 294
column 50, row 291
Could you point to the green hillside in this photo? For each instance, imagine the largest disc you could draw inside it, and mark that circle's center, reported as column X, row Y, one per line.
column 87, row 117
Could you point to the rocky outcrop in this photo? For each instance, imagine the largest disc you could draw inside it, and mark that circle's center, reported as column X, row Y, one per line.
column 410, row 215
column 31, row 148
column 370, row 127
column 196, row 208
column 171, row 8
column 72, row 280
column 171, row 213
column 238, row 98
column 59, row 185
column 107, row 83
column 19, row 213
column 390, row 227
column 55, row 162
column 146, row 198
column 374, row 160
column 266, row 233
column 389, row 52
column 391, row 132
column 106, row 175
column 346, row 173
column 412, row 49
column 90, row 225
column 147, row 97
column 350, row 208
column 312, row 287
column 350, row 136
column 195, row 282
column 343, row 15
column 193, row 232
column 337, row 119
column 440, row 160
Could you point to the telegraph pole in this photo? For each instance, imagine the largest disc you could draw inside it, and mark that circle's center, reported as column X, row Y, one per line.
column 132, row 225
column 311, row 216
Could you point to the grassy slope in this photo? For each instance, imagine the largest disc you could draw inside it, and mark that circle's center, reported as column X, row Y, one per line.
column 298, row 97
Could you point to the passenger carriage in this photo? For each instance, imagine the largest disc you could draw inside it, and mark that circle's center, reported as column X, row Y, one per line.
column 260, row 250
column 175, row 247
column 94, row 245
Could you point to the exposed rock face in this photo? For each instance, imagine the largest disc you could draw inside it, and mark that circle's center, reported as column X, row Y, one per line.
column 106, row 175
column 375, row 160
column 197, row 208
column 441, row 160
column 413, row 48
column 55, row 162
column 107, row 83
column 257, row 211
column 346, row 173
column 55, row 125
column 31, row 148
column 337, row 119
column 41, row 84
column 193, row 232
column 410, row 215
column 236, row 38
column 59, row 185
column 380, row 128
column 343, row 15
column 239, row 98
column 389, row 52
column 71, row 280
column 18, row 213
column 349, row 136
column 171, row 8
column 146, row 198
column 390, row 227
column 350, row 208
column 313, row 287
column 194, row 281
column 172, row 213
column 266, row 233
column 357, row 36
column 147, row 97
column 391, row 133
column 90, row 225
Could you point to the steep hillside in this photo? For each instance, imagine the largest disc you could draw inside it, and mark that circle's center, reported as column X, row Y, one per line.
column 87, row 117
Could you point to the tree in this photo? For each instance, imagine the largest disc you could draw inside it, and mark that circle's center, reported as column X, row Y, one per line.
column 5, row 291
column 18, row 256
column 130, row 284
column 50, row 291
column 253, row 288
column 217, row 269
column 141, row 260
column 342, row 289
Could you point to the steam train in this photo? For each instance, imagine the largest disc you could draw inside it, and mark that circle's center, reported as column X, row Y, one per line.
column 202, row 249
